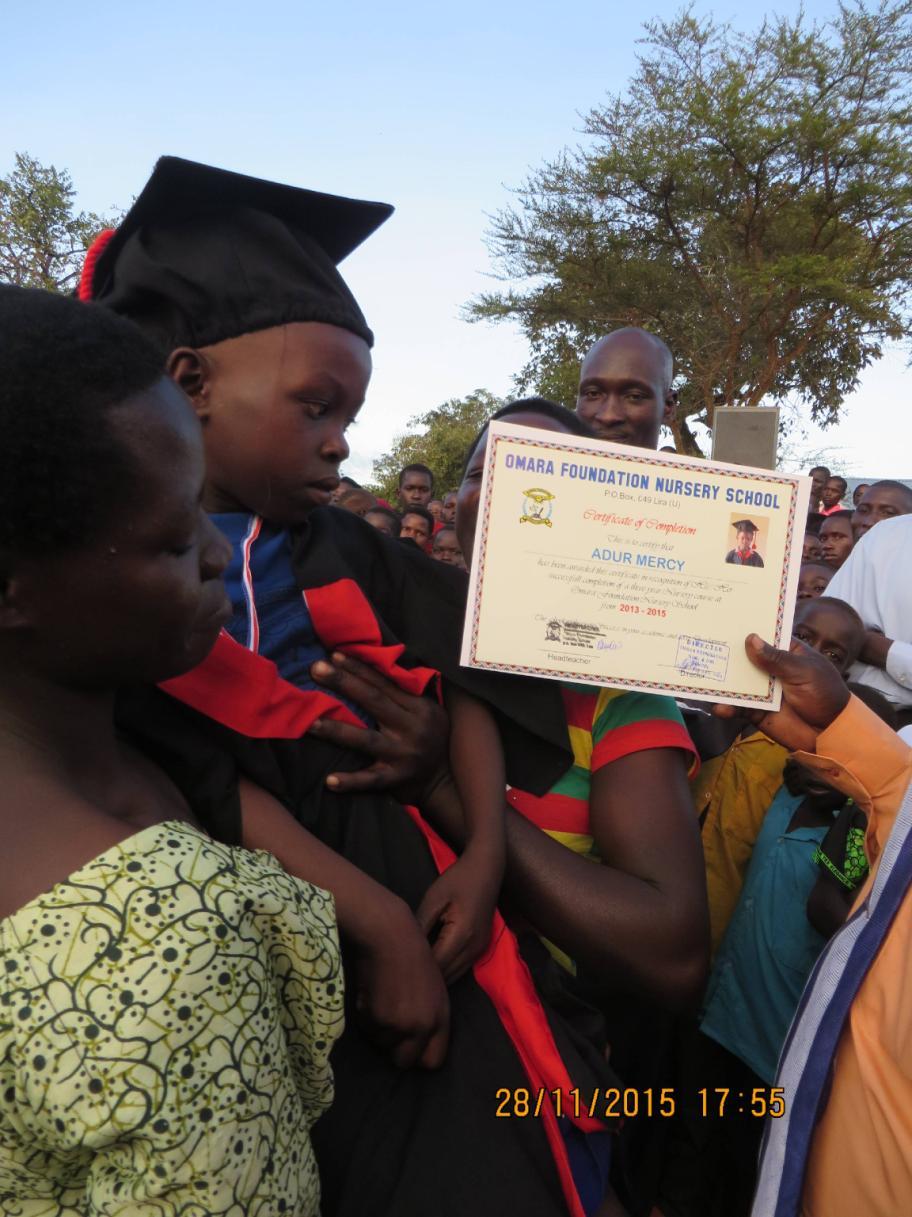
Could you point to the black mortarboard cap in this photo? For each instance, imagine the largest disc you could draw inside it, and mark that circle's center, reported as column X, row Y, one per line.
column 205, row 254
column 746, row 526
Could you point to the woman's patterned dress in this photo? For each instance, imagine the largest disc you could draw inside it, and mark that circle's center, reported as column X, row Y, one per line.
column 166, row 1017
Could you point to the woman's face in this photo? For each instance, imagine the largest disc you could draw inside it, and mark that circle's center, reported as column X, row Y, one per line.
column 470, row 488
column 143, row 600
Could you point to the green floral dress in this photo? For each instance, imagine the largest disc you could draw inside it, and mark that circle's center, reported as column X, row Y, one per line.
column 166, row 1017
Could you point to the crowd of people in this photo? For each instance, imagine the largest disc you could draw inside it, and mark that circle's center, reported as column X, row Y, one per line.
column 297, row 914
column 419, row 518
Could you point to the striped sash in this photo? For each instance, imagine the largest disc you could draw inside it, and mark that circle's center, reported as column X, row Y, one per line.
column 808, row 1054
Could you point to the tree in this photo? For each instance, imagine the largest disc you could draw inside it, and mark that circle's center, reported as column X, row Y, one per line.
column 43, row 239
column 446, row 432
column 749, row 199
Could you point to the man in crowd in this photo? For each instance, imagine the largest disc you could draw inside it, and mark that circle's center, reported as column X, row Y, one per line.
column 836, row 538
column 881, row 501
column 877, row 581
column 416, row 487
column 625, row 392
column 843, row 1143
column 417, row 526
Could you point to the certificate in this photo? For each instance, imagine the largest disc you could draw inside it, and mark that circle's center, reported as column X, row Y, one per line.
column 610, row 565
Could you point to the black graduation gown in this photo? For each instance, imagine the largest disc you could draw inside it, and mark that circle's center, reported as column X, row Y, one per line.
column 397, row 1143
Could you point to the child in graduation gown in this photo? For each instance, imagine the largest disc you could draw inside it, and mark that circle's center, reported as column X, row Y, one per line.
column 236, row 280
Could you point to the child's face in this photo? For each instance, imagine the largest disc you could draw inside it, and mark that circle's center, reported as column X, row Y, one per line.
column 833, row 492
column 836, row 540
column 358, row 502
column 827, row 628
column 813, row 580
column 745, row 539
column 382, row 522
column 275, row 407
column 818, row 481
column 446, row 548
column 811, row 551
column 415, row 527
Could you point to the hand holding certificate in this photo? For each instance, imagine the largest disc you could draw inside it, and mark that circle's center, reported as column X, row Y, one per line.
column 620, row 566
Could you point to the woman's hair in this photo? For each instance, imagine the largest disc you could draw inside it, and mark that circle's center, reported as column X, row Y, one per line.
column 533, row 405
column 64, row 366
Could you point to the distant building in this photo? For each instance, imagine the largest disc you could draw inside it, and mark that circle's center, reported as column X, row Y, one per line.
column 869, row 481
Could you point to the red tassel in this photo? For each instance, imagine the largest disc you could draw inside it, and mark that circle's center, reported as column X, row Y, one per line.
column 93, row 253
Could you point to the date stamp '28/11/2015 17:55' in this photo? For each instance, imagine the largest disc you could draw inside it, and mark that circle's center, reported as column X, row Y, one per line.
column 629, row 1102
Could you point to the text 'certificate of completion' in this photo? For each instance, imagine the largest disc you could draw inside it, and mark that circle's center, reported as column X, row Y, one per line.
column 611, row 565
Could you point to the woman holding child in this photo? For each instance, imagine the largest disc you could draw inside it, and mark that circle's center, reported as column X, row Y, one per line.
column 167, row 1003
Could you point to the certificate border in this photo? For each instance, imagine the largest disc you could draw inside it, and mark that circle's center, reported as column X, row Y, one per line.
column 640, row 456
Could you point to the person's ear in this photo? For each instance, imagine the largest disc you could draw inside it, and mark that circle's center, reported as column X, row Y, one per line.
column 192, row 371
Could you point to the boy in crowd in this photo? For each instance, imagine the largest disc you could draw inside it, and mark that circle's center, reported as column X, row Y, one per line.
column 819, row 476
column 813, row 580
column 385, row 520
column 859, row 492
column 357, row 500
column 416, row 486
column 833, row 494
column 882, row 501
column 446, row 548
column 448, row 512
column 418, row 526
column 836, row 538
column 811, row 550
column 435, row 507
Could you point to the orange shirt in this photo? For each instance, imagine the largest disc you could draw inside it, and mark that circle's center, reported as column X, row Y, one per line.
column 860, row 1162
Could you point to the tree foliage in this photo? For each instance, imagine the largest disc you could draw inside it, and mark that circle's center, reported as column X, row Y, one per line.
column 749, row 199
column 43, row 238
column 442, row 444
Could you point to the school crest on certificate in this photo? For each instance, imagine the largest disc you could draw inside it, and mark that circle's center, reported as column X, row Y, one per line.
column 620, row 566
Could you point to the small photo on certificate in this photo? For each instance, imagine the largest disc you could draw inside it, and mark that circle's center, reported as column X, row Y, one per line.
column 749, row 541
column 608, row 565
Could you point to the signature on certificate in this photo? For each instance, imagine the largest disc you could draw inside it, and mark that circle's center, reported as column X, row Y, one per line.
column 578, row 634
column 702, row 657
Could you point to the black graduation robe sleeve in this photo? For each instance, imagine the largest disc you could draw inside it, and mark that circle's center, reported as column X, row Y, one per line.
column 421, row 603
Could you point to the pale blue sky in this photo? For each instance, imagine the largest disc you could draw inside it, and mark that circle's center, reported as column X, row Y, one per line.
column 437, row 109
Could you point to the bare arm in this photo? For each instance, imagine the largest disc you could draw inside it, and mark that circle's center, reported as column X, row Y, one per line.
column 477, row 765
column 639, row 920
column 458, row 908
